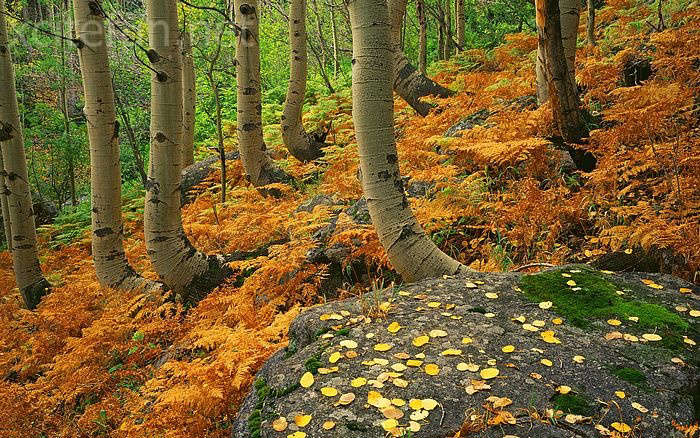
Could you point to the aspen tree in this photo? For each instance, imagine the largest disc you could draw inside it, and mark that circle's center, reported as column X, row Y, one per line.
column 112, row 268
column 189, row 99
column 561, row 87
column 590, row 25
column 22, row 242
column 569, row 21
column 461, row 23
column 185, row 270
column 302, row 145
column 422, row 38
column 409, row 83
column 410, row 251
column 256, row 163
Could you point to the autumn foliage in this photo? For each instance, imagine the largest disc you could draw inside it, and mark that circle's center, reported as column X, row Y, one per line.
column 96, row 362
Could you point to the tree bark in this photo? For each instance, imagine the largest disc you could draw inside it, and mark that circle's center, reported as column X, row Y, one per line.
column 256, row 162
column 302, row 145
column 7, row 226
column 569, row 21
column 64, row 108
column 590, row 26
column 189, row 99
column 409, row 83
column 188, row 272
column 25, row 259
column 422, row 38
column 461, row 23
column 562, row 90
column 112, row 268
column 410, row 251
column 449, row 46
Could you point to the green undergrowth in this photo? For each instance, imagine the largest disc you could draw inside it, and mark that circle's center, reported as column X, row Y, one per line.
column 630, row 375
column 573, row 404
column 595, row 298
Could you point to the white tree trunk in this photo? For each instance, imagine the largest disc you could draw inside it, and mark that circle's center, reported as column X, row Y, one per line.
column 410, row 251
column 112, row 268
column 185, row 270
column 25, row 258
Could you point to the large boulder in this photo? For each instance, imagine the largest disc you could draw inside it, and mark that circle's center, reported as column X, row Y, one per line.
column 570, row 352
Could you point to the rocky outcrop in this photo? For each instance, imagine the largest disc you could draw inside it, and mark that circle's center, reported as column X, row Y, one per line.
column 570, row 352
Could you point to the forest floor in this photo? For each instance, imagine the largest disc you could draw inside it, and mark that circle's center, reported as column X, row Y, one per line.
column 96, row 362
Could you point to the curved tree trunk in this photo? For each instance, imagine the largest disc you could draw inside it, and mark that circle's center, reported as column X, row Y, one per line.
column 187, row 271
column 189, row 100
column 302, row 145
column 569, row 21
column 256, row 162
column 562, row 89
column 112, row 268
column 7, row 227
column 409, row 83
column 590, row 26
column 25, row 259
column 410, row 251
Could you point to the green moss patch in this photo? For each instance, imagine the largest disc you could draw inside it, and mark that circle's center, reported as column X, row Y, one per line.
column 574, row 404
column 630, row 375
column 596, row 299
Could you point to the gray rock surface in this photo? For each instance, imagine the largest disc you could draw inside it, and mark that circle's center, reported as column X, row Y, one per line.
column 460, row 308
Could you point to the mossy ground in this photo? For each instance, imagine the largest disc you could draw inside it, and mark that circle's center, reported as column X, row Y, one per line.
column 573, row 404
column 595, row 298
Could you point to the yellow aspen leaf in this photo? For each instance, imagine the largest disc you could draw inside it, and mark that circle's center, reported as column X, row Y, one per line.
column 302, row 420
column 429, row 404
column 451, row 352
column 508, row 349
column 398, row 402
column 280, row 424
column 437, row 333
column 383, row 347
column 307, row 380
column 652, row 337
column 400, row 383
column 467, row 340
column 639, row 407
column 614, row 322
column 694, row 313
column 358, row 382
column 389, row 424
column 544, row 305
column 579, row 359
column 530, row 328
column 399, row 367
column 546, row 362
column 334, row 357
column 394, row 327
column 563, row 389
column 432, row 370
column 489, row 373
column 491, row 295
column 571, row 283
column 689, row 341
column 346, row 399
column 415, row 404
column 557, row 321
column 420, row 341
column 348, row 343
column 434, row 304
column 414, row 363
column 329, row 391
column 621, row 427
column 328, row 425
column 620, row 394
column 297, row 434
column 685, row 290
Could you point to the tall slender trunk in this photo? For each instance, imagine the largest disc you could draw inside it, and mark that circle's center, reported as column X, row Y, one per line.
column 422, row 38
column 25, row 258
column 187, row 271
column 460, row 19
column 449, row 48
column 590, row 26
column 4, row 204
column 112, row 268
column 64, row 106
column 562, row 92
column 138, row 159
column 189, row 100
column 409, row 83
column 410, row 251
column 319, row 34
column 256, row 162
column 336, row 56
column 302, row 145
column 441, row 30
column 569, row 21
